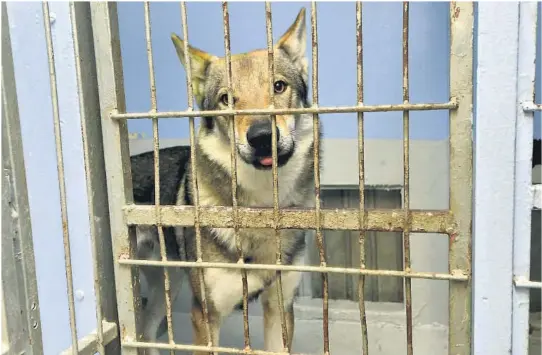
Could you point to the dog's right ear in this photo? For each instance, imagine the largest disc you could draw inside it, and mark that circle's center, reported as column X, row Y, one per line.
column 199, row 61
column 294, row 41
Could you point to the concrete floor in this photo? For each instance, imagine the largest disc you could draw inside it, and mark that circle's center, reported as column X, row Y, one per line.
column 385, row 338
column 385, row 322
column 345, row 337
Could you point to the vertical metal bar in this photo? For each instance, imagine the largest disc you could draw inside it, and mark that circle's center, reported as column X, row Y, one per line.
column 104, row 285
column 406, row 183
column 117, row 159
column 95, row 252
column 461, row 87
column 156, row 145
column 194, row 170
column 60, row 165
column 523, row 175
column 233, row 152
column 276, row 212
column 11, row 136
column 316, row 157
column 361, row 165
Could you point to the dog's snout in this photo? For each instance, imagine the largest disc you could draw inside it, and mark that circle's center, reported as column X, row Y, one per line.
column 259, row 136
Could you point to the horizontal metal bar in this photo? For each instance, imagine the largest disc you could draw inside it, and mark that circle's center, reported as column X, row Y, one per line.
column 521, row 282
column 537, row 196
column 531, row 106
column 456, row 275
column 338, row 219
column 88, row 345
column 199, row 348
column 452, row 104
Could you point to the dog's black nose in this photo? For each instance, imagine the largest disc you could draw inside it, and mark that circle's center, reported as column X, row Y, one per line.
column 259, row 137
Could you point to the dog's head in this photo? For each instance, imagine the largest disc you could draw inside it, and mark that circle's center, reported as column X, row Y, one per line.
column 251, row 91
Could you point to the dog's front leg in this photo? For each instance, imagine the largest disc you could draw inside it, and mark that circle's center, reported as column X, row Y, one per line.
column 154, row 311
column 273, row 326
column 272, row 316
column 200, row 328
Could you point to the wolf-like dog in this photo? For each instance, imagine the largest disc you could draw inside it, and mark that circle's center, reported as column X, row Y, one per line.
column 223, row 287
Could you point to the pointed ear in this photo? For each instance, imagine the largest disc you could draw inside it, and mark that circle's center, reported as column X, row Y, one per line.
column 294, row 41
column 199, row 61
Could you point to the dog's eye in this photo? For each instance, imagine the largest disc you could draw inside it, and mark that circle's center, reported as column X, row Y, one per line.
column 224, row 99
column 279, row 86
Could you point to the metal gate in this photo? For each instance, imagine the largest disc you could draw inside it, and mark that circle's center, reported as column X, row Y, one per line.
column 455, row 222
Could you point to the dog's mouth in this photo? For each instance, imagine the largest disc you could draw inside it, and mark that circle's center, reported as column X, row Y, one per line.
column 265, row 162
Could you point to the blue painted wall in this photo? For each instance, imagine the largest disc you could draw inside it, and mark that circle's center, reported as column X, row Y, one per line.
column 382, row 21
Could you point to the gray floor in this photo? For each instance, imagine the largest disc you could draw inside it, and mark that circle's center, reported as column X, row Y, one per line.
column 345, row 338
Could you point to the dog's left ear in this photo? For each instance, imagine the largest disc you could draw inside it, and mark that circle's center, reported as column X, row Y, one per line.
column 294, row 41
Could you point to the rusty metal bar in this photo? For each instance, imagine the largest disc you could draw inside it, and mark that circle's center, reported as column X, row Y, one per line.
column 100, row 342
column 196, row 348
column 150, row 61
column 361, row 166
column 460, row 253
column 61, row 181
column 156, row 146
column 452, row 104
column 220, row 217
column 316, row 158
column 194, row 171
column 457, row 275
column 233, row 171
column 274, row 167
column 406, row 183
column 117, row 163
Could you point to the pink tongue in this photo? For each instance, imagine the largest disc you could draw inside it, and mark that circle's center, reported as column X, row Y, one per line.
column 266, row 161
